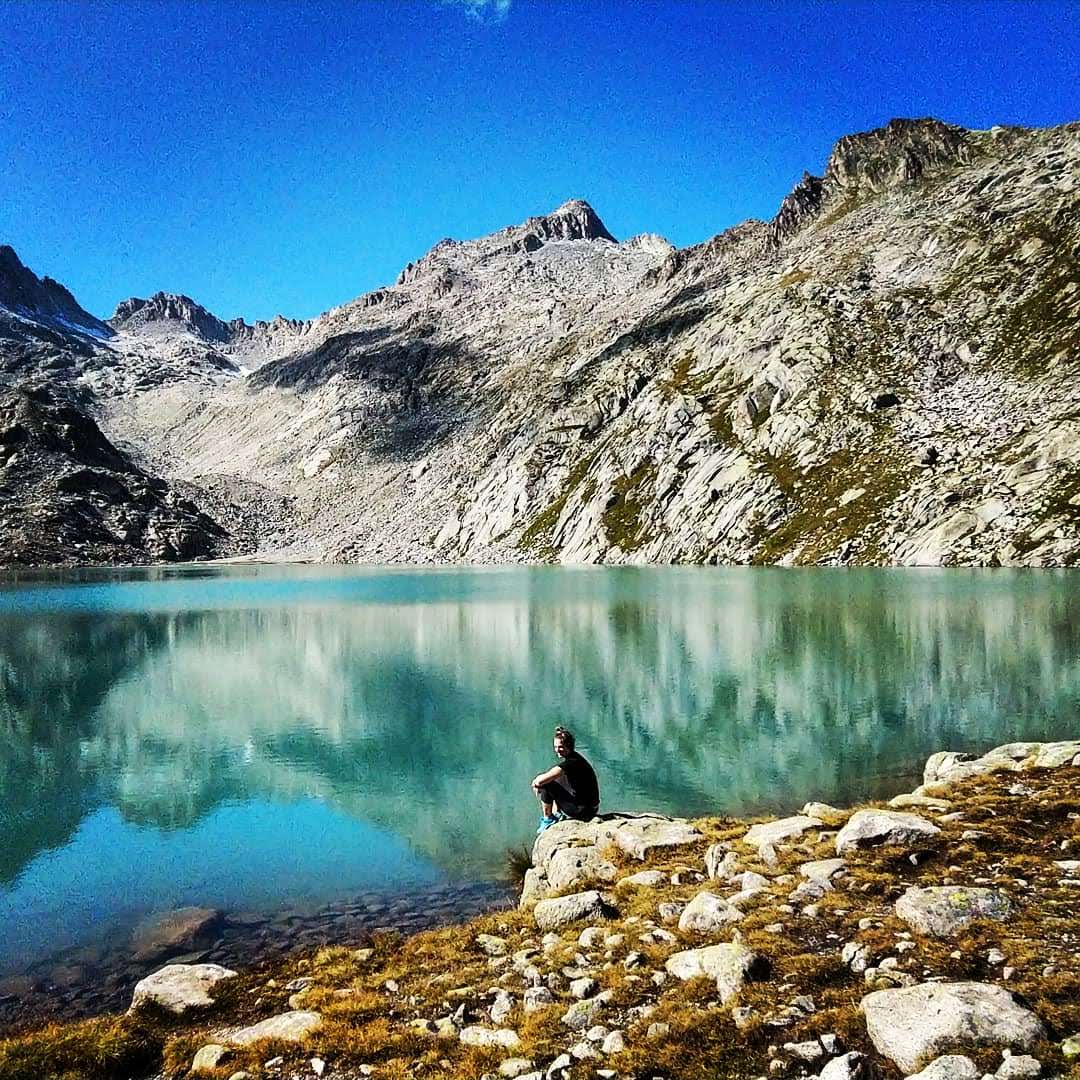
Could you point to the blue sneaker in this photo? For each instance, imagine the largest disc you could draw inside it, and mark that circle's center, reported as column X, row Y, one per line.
column 547, row 822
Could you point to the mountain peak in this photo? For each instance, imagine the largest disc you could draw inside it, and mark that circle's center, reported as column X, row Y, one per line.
column 867, row 162
column 574, row 220
column 43, row 300
column 176, row 308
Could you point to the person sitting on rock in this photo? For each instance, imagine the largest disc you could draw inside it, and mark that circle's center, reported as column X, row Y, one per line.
column 568, row 789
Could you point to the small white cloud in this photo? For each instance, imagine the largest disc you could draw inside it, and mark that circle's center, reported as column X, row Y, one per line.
column 485, row 11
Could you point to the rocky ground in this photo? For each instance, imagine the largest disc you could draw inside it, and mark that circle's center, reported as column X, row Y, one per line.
column 885, row 373
column 933, row 936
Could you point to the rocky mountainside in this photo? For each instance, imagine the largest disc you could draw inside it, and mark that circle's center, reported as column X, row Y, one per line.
column 884, row 373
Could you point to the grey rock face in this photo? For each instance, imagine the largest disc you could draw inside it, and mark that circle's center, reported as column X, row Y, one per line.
column 913, row 1025
column 945, row 910
column 180, row 988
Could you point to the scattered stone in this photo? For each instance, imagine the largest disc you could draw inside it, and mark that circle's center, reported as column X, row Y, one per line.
column 670, row 912
column 721, row 864
column 708, row 912
column 910, row 1025
column 536, row 998
column 583, row 1050
column 809, row 1051
column 614, row 1042
column 180, row 988
column 210, row 1057
column 318, row 1066
column 889, row 827
column 771, row 833
column 288, row 1027
column 1019, row 1067
column 644, row 879
column 482, row 1036
column 944, row 910
column 491, row 945
column 658, row 1030
column 821, row 871
column 583, row 988
column 949, row 1067
column 731, row 964
column 501, row 1007
column 514, row 1067
column 850, row 1066
column 580, row 1015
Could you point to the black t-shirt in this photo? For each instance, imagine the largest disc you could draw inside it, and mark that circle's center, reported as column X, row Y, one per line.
column 579, row 777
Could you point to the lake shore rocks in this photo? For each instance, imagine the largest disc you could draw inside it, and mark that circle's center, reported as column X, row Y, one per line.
column 175, row 932
column 938, row 943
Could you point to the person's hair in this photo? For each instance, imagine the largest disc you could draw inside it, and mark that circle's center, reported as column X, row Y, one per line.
column 567, row 736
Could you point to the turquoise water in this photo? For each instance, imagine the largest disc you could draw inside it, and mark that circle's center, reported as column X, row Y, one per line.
column 257, row 737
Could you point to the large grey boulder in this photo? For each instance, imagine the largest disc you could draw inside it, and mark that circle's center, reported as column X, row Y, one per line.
column 730, row 963
column 708, row 912
column 575, row 865
column 286, row 1027
column 944, row 910
column 913, row 1025
column 180, row 988
column 888, row 827
column 562, row 910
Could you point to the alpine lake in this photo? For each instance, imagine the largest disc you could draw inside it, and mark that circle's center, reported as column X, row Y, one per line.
column 310, row 753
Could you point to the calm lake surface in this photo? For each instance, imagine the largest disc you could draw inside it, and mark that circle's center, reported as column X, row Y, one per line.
column 253, row 738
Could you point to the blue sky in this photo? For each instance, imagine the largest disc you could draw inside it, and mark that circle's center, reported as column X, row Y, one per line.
column 285, row 157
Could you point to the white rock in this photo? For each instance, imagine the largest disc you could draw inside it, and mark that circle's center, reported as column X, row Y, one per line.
column 889, row 827
column 482, row 1036
column 944, row 910
column 731, row 964
column 180, row 988
column 708, row 912
column 949, row 1067
column 288, row 1027
column 772, row 833
column 563, row 910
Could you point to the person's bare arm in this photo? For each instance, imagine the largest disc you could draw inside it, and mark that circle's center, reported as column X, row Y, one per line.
column 546, row 777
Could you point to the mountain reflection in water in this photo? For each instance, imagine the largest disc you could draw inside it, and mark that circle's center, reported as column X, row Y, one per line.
column 418, row 705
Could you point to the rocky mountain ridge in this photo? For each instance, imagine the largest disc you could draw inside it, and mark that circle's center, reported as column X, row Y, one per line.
column 884, row 373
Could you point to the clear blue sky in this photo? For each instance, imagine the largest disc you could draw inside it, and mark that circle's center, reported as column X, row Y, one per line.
column 270, row 157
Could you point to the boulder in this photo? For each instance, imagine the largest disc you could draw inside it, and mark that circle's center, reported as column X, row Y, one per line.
column 171, row 933
column 576, row 865
column 944, row 910
column 949, row 1067
column 179, row 988
column 721, row 864
column 643, row 835
column 821, row 871
column 514, row 1067
column 771, row 833
column 889, row 827
column 731, row 964
column 536, row 998
column 913, row 1025
column 1019, row 1067
column 563, row 910
column 286, row 1027
column 708, row 912
column 644, row 879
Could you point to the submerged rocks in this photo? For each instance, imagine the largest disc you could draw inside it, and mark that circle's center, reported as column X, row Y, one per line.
column 180, row 988
column 173, row 932
column 888, row 827
column 944, row 910
column 912, row 1025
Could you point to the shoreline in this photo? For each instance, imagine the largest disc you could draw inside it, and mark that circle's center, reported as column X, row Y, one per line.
column 652, row 946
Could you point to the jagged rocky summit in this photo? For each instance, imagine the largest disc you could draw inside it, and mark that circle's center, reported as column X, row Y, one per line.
column 885, row 373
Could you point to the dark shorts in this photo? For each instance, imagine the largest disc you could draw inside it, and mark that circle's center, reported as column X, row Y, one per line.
column 557, row 794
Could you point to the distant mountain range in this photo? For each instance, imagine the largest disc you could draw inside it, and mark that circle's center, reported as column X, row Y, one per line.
column 884, row 373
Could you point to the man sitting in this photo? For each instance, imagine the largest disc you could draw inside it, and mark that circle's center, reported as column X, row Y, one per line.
column 568, row 789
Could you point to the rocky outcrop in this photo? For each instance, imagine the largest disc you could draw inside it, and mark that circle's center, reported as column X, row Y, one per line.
column 162, row 307
column 68, row 496
column 180, row 988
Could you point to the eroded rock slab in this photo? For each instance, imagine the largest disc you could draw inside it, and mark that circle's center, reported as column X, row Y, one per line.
column 288, row 1027
column 708, row 912
column 730, row 963
column 562, row 910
